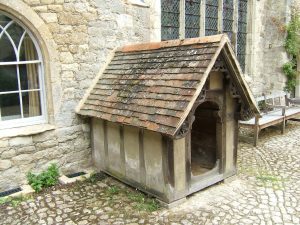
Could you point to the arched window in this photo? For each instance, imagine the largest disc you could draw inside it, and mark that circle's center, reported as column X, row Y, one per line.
column 22, row 100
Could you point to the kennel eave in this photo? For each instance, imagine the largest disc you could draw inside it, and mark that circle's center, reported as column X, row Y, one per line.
column 164, row 115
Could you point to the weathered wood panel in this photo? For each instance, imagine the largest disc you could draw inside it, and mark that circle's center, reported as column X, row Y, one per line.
column 153, row 160
column 180, row 165
column 131, row 148
column 98, row 149
column 114, row 148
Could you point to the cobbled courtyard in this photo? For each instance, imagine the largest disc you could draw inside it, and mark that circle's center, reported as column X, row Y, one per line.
column 266, row 190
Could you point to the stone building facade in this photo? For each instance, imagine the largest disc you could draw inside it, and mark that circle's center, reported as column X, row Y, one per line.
column 75, row 38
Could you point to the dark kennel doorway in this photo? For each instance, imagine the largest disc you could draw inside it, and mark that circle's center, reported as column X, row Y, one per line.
column 205, row 153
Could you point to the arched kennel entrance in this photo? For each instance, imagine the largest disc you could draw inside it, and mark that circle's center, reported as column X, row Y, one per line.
column 205, row 150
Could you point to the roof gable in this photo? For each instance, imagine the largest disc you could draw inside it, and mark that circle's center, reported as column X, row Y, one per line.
column 154, row 86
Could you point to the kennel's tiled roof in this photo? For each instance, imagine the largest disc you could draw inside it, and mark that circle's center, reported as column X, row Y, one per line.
column 154, row 85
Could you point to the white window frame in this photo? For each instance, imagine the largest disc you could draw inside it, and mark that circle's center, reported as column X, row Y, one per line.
column 20, row 122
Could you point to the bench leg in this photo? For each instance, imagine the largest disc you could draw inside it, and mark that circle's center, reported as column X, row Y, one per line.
column 256, row 131
column 283, row 127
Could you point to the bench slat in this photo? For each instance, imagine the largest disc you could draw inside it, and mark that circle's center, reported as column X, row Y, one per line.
column 292, row 111
column 267, row 118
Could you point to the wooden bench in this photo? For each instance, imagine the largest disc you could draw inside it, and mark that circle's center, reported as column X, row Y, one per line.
column 275, row 109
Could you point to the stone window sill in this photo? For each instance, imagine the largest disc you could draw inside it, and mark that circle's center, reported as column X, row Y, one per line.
column 137, row 3
column 25, row 131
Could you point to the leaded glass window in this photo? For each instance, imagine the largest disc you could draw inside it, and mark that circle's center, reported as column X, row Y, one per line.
column 228, row 17
column 242, row 32
column 170, row 11
column 192, row 18
column 21, row 82
column 211, row 17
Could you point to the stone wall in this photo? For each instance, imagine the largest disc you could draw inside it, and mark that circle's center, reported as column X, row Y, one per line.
column 267, row 52
column 82, row 33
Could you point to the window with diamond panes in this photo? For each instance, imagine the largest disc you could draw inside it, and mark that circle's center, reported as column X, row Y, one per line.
column 21, row 81
column 211, row 17
column 242, row 32
column 192, row 18
column 170, row 11
column 228, row 17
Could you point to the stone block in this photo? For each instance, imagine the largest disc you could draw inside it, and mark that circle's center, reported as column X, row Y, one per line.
column 69, row 18
column 80, row 143
column 44, row 136
column 2, row 150
column 66, row 57
column 78, row 38
column 26, row 149
column 71, row 67
column 49, row 17
column 61, row 39
column 84, row 84
column 66, row 147
column 64, row 134
column 80, row 29
column 47, row 1
column 39, row 155
column 32, row 2
column 73, row 166
column 5, row 164
column 55, row 8
column 18, row 141
column 76, row 156
column 53, row 27
column 40, row 8
column 65, row 28
column 11, row 178
column 86, row 127
column 73, row 49
column 7, row 154
column 27, row 167
column 67, row 75
column 22, row 159
column 66, row 180
column 81, row 7
column 124, row 21
column 65, row 120
column 90, row 16
column 47, row 144
column 3, row 143
column 26, row 189
column 69, row 93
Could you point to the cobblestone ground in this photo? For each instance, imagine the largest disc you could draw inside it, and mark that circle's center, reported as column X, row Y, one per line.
column 265, row 191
